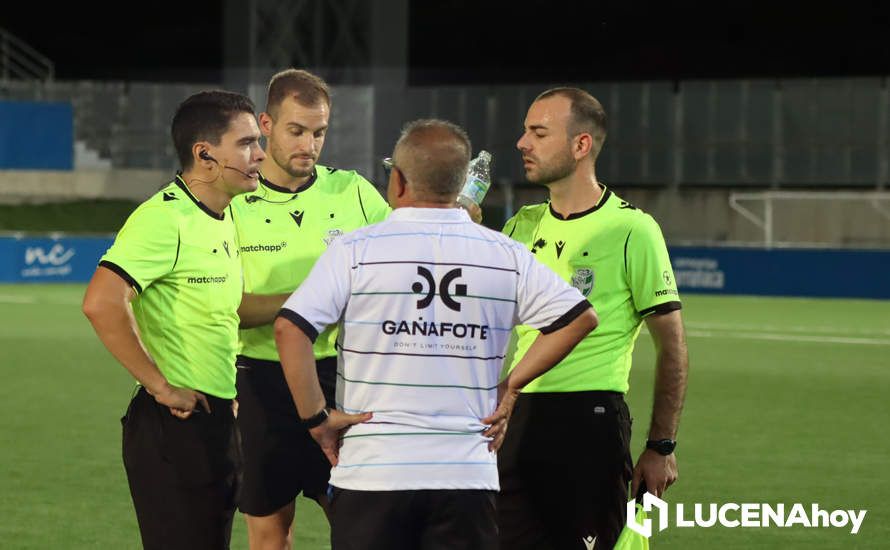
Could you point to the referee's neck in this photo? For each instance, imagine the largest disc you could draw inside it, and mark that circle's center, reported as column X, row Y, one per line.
column 273, row 173
column 573, row 195
column 209, row 192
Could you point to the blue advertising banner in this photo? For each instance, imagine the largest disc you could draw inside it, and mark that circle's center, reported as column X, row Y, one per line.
column 776, row 272
column 36, row 135
column 783, row 272
column 44, row 260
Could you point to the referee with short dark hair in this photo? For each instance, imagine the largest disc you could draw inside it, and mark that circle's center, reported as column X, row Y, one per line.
column 164, row 301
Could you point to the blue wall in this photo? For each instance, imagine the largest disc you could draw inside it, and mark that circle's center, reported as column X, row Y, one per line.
column 36, row 135
column 784, row 272
column 67, row 259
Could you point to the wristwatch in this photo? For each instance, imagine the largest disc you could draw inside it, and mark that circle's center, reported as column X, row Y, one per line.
column 663, row 447
column 315, row 420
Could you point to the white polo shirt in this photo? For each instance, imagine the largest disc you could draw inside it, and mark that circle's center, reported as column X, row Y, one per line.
column 426, row 301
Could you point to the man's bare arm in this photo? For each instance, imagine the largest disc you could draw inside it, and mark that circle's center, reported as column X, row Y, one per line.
column 107, row 305
column 298, row 364
column 259, row 309
column 671, row 371
column 546, row 351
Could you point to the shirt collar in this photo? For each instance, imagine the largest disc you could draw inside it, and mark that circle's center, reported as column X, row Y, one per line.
column 438, row 215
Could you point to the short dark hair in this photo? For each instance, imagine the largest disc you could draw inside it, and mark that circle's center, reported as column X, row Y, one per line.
column 435, row 154
column 588, row 114
column 205, row 116
column 306, row 88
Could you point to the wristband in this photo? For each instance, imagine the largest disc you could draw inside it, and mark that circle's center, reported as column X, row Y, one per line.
column 315, row 420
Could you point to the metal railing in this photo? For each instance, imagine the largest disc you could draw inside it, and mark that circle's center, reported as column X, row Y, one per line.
column 20, row 61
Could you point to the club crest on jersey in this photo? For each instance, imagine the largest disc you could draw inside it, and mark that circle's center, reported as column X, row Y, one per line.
column 582, row 279
column 332, row 234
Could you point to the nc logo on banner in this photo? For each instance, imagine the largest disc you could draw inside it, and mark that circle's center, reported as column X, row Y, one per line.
column 649, row 501
column 41, row 263
column 57, row 255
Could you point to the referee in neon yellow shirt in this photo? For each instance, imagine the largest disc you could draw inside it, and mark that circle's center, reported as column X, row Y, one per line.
column 164, row 301
column 299, row 208
column 565, row 465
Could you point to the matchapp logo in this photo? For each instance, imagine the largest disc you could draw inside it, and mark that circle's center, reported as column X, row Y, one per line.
column 264, row 247
column 207, row 280
column 447, row 299
column 732, row 515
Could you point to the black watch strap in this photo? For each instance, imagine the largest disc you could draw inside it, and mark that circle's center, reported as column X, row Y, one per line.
column 315, row 420
column 663, row 447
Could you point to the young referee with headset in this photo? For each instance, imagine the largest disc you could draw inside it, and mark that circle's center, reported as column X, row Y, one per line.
column 164, row 301
column 299, row 208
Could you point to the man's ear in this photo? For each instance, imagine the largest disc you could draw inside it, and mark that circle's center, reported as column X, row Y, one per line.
column 265, row 120
column 401, row 183
column 582, row 144
column 200, row 154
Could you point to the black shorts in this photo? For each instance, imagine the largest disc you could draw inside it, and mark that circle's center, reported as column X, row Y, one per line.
column 413, row 520
column 280, row 457
column 182, row 473
column 564, row 470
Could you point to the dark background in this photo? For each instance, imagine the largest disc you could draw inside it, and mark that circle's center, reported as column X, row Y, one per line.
column 462, row 41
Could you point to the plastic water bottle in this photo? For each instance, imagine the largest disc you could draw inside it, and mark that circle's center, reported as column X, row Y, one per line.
column 478, row 182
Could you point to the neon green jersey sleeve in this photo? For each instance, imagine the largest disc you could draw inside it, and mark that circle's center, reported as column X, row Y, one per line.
column 649, row 272
column 375, row 206
column 146, row 246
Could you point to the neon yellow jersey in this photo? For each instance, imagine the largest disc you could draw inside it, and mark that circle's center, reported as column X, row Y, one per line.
column 615, row 255
column 283, row 232
column 183, row 260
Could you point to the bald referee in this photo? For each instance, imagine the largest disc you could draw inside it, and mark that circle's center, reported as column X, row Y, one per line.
column 615, row 255
column 425, row 302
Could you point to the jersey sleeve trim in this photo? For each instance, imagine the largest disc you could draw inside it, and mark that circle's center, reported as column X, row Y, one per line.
column 660, row 309
column 567, row 317
column 300, row 322
column 361, row 204
column 627, row 240
column 122, row 273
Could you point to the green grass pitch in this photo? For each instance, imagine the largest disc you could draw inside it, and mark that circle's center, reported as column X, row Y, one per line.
column 788, row 402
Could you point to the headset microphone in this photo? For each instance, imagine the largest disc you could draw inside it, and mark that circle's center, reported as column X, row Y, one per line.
column 206, row 156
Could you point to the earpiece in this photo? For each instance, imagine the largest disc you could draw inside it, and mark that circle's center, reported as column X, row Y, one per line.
column 206, row 156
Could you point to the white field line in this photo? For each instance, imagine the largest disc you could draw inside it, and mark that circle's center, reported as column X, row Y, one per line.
column 17, row 299
column 36, row 299
column 870, row 331
column 779, row 337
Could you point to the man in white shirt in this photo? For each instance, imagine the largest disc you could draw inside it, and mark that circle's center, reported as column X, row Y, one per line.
column 425, row 302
